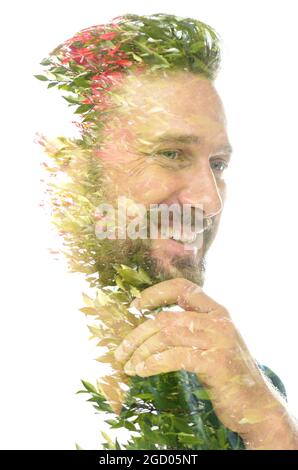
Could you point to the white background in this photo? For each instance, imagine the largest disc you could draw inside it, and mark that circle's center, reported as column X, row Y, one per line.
column 252, row 267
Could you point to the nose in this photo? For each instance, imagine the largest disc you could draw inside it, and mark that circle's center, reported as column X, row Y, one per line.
column 201, row 188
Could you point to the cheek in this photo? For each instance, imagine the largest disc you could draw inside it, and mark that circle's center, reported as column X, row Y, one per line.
column 221, row 186
column 149, row 186
column 154, row 185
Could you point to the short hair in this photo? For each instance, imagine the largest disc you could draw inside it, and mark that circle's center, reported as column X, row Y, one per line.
column 95, row 59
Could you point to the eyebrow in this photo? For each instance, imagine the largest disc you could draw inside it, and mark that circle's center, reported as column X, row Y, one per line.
column 188, row 139
column 180, row 138
column 227, row 148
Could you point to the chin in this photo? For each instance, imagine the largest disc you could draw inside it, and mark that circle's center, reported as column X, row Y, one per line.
column 184, row 265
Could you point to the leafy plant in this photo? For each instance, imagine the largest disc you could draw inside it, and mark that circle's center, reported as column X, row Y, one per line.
column 165, row 411
column 90, row 65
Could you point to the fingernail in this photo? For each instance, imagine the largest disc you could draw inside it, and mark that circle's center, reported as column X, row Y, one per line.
column 129, row 369
column 140, row 367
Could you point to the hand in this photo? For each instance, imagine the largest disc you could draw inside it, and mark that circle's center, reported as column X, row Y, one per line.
column 201, row 339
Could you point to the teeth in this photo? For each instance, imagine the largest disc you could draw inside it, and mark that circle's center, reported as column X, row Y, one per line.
column 183, row 238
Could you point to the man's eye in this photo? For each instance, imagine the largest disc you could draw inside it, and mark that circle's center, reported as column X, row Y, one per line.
column 170, row 154
column 219, row 165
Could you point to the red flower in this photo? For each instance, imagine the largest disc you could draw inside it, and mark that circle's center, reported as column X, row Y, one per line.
column 82, row 37
column 112, row 73
column 82, row 55
column 124, row 62
column 114, row 50
column 108, row 36
column 96, row 77
column 87, row 101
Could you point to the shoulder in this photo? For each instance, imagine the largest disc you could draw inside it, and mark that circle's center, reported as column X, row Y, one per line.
column 275, row 380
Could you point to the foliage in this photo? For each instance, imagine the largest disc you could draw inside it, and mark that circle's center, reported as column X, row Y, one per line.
column 170, row 411
column 165, row 411
column 94, row 61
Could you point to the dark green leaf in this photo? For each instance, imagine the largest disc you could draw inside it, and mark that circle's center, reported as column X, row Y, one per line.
column 45, row 61
column 83, row 108
column 41, row 77
column 72, row 100
column 52, row 84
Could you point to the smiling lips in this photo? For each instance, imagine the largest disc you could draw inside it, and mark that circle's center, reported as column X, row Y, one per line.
column 190, row 244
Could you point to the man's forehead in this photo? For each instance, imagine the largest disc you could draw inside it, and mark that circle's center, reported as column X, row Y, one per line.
column 181, row 138
column 185, row 129
column 162, row 78
column 175, row 88
column 171, row 101
column 153, row 111
column 219, row 139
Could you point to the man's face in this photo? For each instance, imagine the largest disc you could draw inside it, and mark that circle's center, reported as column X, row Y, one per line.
column 168, row 144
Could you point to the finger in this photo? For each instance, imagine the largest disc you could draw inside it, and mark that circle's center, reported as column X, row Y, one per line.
column 141, row 333
column 165, row 339
column 181, row 291
column 171, row 360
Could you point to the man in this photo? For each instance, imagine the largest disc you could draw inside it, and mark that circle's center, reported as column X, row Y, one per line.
column 166, row 142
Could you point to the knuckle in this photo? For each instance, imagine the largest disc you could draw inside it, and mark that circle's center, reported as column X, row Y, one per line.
column 181, row 282
column 168, row 336
column 221, row 313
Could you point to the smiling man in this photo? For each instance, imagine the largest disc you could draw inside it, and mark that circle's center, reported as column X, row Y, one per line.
column 168, row 144
column 156, row 135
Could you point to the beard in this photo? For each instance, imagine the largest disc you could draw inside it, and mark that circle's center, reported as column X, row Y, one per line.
column 140, row 253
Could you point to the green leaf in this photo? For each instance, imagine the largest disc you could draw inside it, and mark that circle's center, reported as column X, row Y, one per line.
column 88, row 301
column 109, row 444
column 58, row 70
column 130, row 426
column 60, row 77
column 132, row 276
column 64, row 86
column 221, row 436
column 117, row 445
column 78, row 447
column 45, row 61
column 89, row 117
column 119, row 282
column 72, row 100
column 196, row 47
column 89, row 387
column 144, row 396
column 52, row 84
column 201, row 394
column 41, row 77
column 111, row 422
column 83, row 108
column 88, row 310
column 136, row 57
column 80, row 82
column 135, row 292
column 188, row 438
